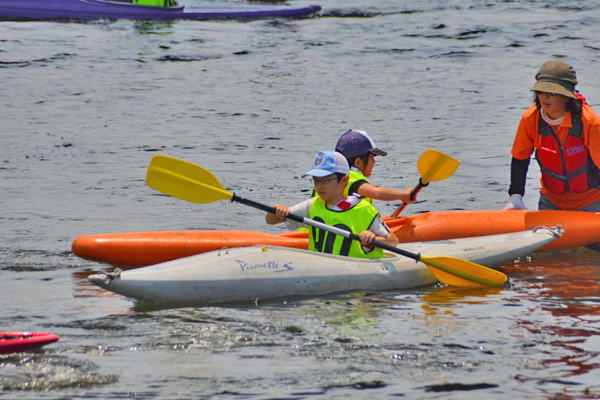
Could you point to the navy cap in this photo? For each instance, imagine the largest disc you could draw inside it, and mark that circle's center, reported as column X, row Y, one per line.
column 356, row 143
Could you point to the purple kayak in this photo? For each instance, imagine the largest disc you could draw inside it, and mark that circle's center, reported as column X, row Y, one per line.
column 53, row 10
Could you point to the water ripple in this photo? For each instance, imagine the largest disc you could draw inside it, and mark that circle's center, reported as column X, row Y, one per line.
column 44, row 372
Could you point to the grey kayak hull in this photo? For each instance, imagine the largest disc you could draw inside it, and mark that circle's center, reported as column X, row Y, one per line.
column 264, row 272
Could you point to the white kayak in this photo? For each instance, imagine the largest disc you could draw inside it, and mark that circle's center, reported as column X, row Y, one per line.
column 264, row 272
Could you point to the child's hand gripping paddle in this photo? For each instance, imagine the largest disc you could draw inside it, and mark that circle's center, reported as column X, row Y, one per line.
column 433, row 166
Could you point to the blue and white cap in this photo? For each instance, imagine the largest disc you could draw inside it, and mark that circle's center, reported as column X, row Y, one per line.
column 356, row 143
column 327, row 163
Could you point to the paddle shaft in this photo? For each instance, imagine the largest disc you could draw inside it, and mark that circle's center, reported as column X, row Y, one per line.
column 193, row 183
column 435, row 263
column 416, row 190
column 325, row 227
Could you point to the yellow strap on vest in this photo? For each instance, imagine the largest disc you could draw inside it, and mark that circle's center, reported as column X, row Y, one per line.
column 356, row 176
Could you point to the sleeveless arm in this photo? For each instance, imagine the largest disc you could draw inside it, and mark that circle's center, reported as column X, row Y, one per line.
column 385, row 194
column 354, row 187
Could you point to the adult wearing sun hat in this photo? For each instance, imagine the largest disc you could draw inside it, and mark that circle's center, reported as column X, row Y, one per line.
column 564, row 132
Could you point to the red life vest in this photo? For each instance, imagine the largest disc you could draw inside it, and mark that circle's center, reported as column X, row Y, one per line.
column 567, row 168
column 580, row 97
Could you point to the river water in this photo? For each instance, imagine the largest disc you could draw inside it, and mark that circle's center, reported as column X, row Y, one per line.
column 84, row 107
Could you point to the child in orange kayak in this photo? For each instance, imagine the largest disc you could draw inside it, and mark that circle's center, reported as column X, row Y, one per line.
column 332, row 207
column 360, row 151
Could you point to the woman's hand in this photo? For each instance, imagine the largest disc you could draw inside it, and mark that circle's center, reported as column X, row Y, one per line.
column 515, row 203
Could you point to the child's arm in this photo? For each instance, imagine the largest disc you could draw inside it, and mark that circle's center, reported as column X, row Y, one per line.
column 378, row 231
column 385, row 194
column 282, row 211
column 367, row 237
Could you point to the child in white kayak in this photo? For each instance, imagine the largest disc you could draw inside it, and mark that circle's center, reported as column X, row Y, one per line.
column 360, row 151
column 332, row 207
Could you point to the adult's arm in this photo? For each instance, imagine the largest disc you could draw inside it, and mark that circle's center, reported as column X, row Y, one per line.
column 591, row 132
column 518, row 174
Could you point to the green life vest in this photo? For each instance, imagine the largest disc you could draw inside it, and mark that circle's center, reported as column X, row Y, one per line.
column 156, row 3
column 356, row 176
column 355, row 220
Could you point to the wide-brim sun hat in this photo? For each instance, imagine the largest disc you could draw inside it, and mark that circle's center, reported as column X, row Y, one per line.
column 327, row 163
column 556, row 77
column 356, row 143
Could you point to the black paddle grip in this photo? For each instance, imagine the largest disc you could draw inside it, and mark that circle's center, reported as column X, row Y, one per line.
column 263, row 207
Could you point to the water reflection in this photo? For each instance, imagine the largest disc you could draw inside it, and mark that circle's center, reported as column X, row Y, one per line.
column 86, row 289
column 148, row 27
column 550, row 316
column 358, row 312
column 449, row 295
column 567, row 286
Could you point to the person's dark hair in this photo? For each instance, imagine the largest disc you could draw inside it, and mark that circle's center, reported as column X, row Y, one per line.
column 573, row 105
column 363, row 157
column 339, row 176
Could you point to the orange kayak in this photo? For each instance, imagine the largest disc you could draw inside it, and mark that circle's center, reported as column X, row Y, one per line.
column 137, row 249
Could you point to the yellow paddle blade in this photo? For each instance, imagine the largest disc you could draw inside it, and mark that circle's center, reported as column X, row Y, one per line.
column 456, row 272
column 185, row 181
column 436, row 166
